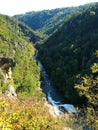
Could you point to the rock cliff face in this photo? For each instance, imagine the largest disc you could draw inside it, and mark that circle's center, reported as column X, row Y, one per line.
column 6, row 80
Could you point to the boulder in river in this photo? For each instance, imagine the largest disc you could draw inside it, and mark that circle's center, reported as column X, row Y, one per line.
column 68, row 108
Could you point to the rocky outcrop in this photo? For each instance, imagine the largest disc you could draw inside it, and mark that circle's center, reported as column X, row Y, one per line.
column 6, row 80
column 6, row 63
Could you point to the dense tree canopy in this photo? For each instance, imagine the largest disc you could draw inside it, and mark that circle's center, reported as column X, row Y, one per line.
column 71, row 60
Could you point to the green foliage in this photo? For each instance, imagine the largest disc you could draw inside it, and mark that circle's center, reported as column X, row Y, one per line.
column 26, row 114
column 70, row 51
column 14, row 43
column 88, row 87
column 70, row 57
column 94, row 68
column 92, row 13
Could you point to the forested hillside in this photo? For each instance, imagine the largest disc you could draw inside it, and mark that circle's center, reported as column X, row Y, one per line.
column 70, row 57
column 67, row 44
column 21, row 101
column 14, row 45
column 47, row 21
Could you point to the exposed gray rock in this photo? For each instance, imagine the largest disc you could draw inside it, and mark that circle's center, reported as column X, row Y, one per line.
column 12, row 91
column 5, row 71
column 67, row 128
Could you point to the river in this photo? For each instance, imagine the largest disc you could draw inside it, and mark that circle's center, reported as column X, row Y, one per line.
column 52, row 95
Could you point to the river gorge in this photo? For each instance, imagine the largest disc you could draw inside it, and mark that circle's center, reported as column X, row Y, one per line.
column 52, row 95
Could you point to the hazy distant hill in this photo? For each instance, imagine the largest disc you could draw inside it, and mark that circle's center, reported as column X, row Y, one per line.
column 47, row 21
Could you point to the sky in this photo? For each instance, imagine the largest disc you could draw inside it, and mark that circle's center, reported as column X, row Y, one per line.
column 12, row 7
